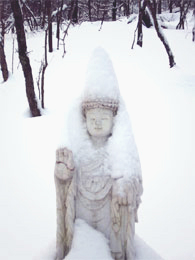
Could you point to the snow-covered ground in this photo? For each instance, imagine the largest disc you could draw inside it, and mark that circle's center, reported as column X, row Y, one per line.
column 161, row 104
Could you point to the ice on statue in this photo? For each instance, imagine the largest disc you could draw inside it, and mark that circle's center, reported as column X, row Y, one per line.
column 97, row 172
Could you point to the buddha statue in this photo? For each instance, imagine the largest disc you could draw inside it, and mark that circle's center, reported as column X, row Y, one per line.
column 97, row 170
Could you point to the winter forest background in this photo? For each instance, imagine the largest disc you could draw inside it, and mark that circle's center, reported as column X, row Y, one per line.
column 44, row 50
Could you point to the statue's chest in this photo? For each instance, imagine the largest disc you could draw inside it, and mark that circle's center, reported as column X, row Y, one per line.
column 93, row 182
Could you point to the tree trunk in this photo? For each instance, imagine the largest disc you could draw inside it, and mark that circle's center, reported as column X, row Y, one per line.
column 114, row 11
column 59, row 18
column 50, row 42
column 193, row 29
column 142, row 6
column 193, row 34
column 184, row 6
column 25, row 62
column 89, row 7
column 170, row 6
column 45, row 63
column 159, row 6
column 181, row 19
column 152, row 8
column 3, row 62
column 74, row 7
column 127, row 8
column 43, row 11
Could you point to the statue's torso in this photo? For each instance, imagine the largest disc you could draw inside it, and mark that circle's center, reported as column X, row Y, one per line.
column 94, row 195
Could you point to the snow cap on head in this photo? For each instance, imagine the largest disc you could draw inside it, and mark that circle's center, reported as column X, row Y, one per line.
column 101, row 85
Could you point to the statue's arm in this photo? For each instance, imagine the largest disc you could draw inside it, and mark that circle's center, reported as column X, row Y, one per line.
column 64, row 170
column 138, row 187
column 128, row 191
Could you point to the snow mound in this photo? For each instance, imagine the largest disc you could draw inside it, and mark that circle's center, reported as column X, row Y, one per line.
column 88, row 244
column 144, row 252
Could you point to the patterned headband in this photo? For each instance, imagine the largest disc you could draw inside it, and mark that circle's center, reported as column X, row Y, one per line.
column 100, row 103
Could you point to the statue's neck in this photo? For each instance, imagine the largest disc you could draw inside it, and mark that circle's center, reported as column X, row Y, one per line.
column 99, row 142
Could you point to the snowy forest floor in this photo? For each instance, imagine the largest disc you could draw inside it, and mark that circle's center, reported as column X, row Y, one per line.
column 161, row 104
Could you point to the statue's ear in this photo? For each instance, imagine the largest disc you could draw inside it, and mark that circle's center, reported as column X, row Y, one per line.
column 83, row 113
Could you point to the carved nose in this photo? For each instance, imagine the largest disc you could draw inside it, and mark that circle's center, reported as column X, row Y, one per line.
column 98, row 122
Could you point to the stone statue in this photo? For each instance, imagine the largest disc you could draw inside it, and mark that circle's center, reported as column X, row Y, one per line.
column 97, row 171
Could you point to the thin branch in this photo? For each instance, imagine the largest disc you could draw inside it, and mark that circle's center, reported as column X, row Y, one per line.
column 134, row 37
column 43, row 72
column 66, row 31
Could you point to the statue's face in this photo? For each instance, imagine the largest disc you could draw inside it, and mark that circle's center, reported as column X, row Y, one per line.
column 99, row 122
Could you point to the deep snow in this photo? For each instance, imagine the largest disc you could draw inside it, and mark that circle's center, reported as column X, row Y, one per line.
column 161, row 104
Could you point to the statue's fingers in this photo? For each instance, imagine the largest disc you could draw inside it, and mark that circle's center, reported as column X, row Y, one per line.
column 66, row 155
column 57, row 155
column 61, row 155
column 65, row 152
column 70, row 164
column 68, row 158
column 69, row 155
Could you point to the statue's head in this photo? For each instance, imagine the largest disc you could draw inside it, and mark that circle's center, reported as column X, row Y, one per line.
column 99, row 122
column 101, row 95
column 99, row 115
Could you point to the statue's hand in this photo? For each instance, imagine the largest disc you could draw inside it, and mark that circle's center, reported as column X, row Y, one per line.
column 124, row 193
column 64, row 163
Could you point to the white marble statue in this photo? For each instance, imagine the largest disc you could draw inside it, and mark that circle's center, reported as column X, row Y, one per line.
column 97, row 171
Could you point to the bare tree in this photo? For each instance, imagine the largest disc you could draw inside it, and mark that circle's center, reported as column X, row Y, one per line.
column 50, row 41
column 184, row 7
column 59, row 18
column 193, row 29
column 159, row 6
column 170, row 4
column 29, row 15
column 25, row 62
column 44, row 66
column 89, row 8
column 142, row 7
column 114, row 8
column 3, row 62
column 74, row 14
column 152, row 7
column 66, row 31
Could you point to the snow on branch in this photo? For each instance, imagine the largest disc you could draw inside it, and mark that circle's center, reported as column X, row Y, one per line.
column 57, row 11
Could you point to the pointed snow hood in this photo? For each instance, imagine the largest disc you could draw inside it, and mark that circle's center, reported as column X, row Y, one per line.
column 101, row 81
